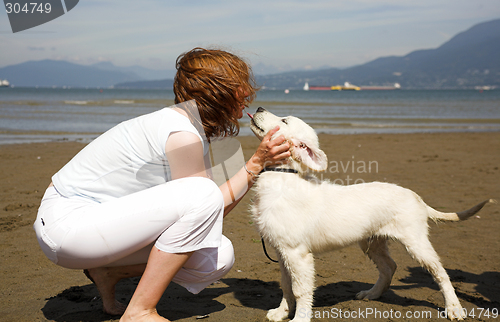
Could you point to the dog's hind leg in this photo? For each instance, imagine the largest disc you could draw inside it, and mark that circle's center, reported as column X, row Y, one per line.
column 288, row 301
column 420, row 248
column 376, row 249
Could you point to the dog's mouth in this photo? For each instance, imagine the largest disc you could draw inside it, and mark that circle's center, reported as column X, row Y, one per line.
column 254, row 125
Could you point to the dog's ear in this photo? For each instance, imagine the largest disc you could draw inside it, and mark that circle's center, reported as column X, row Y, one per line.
column 311, row 157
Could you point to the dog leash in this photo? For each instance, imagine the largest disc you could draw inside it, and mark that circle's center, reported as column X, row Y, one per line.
column 265, row 251
column 275, row 170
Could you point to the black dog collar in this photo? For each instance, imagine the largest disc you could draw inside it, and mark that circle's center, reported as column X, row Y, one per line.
column 279, row 170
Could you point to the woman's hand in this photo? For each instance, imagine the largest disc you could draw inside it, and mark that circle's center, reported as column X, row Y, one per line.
column 270, row 152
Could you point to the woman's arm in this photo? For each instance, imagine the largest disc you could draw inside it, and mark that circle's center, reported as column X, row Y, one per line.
column 184, row 152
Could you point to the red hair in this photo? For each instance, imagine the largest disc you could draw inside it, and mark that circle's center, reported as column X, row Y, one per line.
column 220, row 83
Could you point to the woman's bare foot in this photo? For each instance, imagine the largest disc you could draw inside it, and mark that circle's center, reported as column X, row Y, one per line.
column 105, row 279
column 146, row 315
column 159, row 272
column 105, row 282
column 119, row 308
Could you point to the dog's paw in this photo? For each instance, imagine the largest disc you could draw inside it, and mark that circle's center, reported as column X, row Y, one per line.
column 367, row 295
column 455, row 311
column 277, row 314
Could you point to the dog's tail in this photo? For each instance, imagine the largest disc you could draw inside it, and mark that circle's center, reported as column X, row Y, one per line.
column 457, row 216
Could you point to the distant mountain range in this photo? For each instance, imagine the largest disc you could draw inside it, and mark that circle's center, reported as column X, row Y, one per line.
column 47, row 73
column 471, row 58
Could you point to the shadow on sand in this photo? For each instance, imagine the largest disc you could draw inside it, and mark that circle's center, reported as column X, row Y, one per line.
column 82, row 303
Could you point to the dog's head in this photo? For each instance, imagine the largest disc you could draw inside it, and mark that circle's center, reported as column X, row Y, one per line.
column 304, row 145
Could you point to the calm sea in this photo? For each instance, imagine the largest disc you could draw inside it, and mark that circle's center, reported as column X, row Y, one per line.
column 48, row 114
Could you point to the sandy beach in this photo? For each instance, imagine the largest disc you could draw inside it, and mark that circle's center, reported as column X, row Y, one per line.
column 450, row 171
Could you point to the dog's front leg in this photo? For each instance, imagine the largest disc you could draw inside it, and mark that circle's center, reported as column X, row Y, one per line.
column 288, row 301
column 299, row 263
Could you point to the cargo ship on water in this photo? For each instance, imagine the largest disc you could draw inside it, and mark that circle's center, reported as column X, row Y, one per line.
column 349, row 87
column 4, row 83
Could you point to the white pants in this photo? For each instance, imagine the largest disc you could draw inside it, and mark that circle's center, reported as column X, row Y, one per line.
column 177, row 217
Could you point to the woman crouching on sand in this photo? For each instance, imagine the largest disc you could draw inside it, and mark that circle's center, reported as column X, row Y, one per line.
column 139, row 200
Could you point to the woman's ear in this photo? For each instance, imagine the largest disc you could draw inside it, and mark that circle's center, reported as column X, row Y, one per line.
column 310, row 156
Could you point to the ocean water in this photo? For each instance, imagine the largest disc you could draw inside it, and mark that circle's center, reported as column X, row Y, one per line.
column 49, row 114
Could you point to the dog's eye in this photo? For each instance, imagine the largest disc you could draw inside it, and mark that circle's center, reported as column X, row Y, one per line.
column 284, row 121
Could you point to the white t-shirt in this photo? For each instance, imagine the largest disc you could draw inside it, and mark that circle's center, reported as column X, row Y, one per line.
column 128, row 158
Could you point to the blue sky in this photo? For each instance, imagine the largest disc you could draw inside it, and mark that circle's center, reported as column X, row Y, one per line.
column 280, row 35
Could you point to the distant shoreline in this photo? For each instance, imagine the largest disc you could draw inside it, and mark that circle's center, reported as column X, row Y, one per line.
column 262, row 89
column 9, row 138
column 45, row 115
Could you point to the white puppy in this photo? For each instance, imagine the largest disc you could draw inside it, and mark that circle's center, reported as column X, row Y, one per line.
column 299, row 215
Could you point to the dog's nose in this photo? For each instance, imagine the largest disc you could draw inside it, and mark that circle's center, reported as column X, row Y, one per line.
column 260, row 109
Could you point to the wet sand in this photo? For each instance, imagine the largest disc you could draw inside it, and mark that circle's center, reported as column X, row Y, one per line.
column 451, row 172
